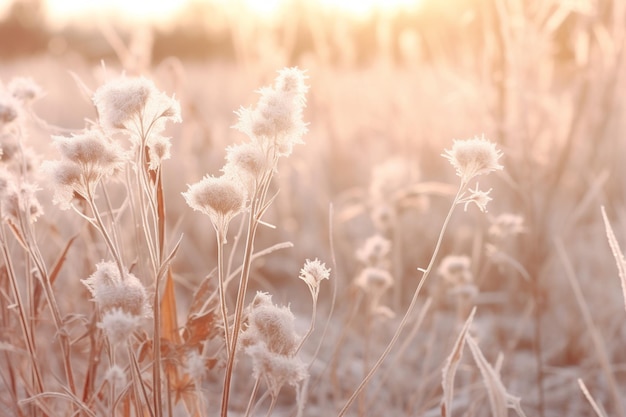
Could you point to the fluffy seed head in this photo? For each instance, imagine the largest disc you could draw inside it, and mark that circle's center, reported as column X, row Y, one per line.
column 247, row 158
column 374, row 251
column 119, row 325
column 220, row 198
column 271, row 325
column 92, row 151
column 313, row 272
column 9, row 109
column 374, row 280
column 110, row 291
column 276, row 121
column 276, row 369
column 274, row 326
column 65, row 177
column 24, row 89
column 121, row 99
column 116, row 376
column 505, row 225
column 19, row 202
column 455, row 269
column 473, row 157
column 158, row 150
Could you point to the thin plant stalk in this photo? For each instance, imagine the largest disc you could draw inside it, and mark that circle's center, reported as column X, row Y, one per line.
column 257, row 209
column 221, row 289
column 409, row 311
column 28, row 337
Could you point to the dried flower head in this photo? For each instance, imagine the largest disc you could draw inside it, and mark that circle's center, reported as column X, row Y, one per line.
column 19, row 203
column 246, row 158
column 110, row 291
column 220, row 198
column 24, row 89
column 312, row 273
column 455, row 269
column 276, row 369
column 375, row 251
column 9, row 109
column 92, row 152
column 271, row 325
column 476, row 196
column 116, row 376
column 195, row 365
column 390, row 177
column 473, row 157
column 374, row 281
column 276, row 121
column 119, row 325
column 158, row 150
column 506, row 225
column 66, row 178
column 125, row 101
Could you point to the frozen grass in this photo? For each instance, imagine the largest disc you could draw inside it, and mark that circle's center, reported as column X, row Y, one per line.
column 530, row 287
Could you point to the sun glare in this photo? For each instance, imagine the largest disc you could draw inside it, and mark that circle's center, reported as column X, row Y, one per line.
column 61, row 11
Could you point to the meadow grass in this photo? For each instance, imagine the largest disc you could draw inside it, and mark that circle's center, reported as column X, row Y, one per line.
column 156, row 234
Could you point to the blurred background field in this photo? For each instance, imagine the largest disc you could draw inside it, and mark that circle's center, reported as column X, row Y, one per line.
column 390, row 88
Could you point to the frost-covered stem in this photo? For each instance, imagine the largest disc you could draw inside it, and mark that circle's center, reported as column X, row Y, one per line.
column 311, row 327
column 28, row 337
column 222, row 288
column 255, row 389
column 245, row 273
column 410, row 309
column 256, row 211
column 102, row 229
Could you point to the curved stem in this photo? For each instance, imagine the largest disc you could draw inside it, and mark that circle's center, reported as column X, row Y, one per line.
column 409, row 310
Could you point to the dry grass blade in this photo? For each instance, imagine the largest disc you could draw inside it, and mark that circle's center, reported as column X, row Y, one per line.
column 617, row 253
column 169, row 317
column 499, row 398
column 598, row 342
column 55, row 270
column 593, row 402
column 451, row 365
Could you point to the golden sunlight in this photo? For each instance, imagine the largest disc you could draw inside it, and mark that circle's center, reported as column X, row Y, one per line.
column 61, row 11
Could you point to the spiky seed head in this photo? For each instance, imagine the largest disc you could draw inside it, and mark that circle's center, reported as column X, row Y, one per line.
column 119, row 325
column 121, row 99
column 456, row 269
column 313, row 272
column 24, row 89
column 110, row 291
column 373, row 280
column 374, row 251
column 472, row 157
column 276, row 369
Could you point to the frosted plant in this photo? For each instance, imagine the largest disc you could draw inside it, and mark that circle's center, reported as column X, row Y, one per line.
column 220, row 198
column 506, row 225
column 455, row 269
column 276, row 369
column 119, row 325
column 19, row 203
column 25, row 89
column 276, row 121
column 374, row 251
column 116, row 376
column 473, row 157
column 112, row 291
column 272, row 343
column 87, row 158
column 134, row 104
column 9, row 109
column 312, row 273
column 271, row 325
